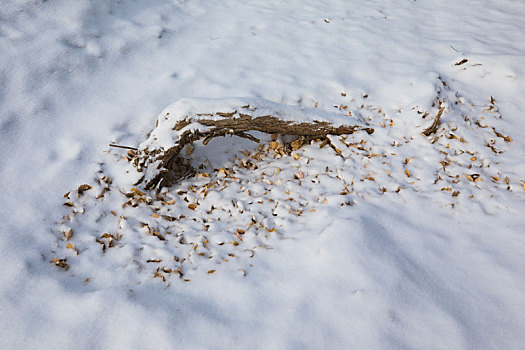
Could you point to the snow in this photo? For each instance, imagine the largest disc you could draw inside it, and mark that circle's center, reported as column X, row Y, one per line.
column 379, row 245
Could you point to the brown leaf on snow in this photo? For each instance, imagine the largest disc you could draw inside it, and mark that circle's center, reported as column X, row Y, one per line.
column 134, row 192
column 68, row 234
column 192, row 206
column 83, row 188
column 158, row 235
column 62, row 263
column 72, row 247
column 473, row 177
column 238, row 234
column 296, row 144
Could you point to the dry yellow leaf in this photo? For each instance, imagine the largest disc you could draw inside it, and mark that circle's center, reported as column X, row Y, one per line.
column 300, row 175
column 474, row 158
column 296, row 144
column 407, row 172
column 155, row 216
column 211, row 271
column 295, row 156
column 192, row 206
column 224, row 171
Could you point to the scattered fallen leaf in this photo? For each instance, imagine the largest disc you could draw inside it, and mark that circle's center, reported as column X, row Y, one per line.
column 407, row 172
column 68, row 234
column 135, row 191
column 72, row 247
column 211, row 271
column 299, row 175
column 296, row 144
column 192, row 206
column 158, row 235
column 62, row 263
column 83, row 188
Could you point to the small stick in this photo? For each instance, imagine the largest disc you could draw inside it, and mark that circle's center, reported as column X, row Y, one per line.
column 453, row 48
column 435, row 125
column 125, row 147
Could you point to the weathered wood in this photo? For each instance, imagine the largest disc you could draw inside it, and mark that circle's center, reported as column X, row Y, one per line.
column 172, row 166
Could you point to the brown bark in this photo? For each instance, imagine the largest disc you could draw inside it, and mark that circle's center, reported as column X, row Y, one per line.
column 173, row 166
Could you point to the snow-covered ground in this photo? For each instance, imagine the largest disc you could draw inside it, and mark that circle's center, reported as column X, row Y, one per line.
column 385, row 240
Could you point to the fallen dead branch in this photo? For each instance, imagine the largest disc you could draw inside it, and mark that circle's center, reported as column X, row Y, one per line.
column 172, row 166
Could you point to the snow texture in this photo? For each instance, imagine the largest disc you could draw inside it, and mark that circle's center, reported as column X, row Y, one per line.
column 389, row 240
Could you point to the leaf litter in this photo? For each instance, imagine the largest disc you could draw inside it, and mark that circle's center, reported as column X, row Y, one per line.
column 224, row 215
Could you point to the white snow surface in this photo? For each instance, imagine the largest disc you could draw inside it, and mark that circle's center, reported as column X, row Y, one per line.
column 385, row 241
